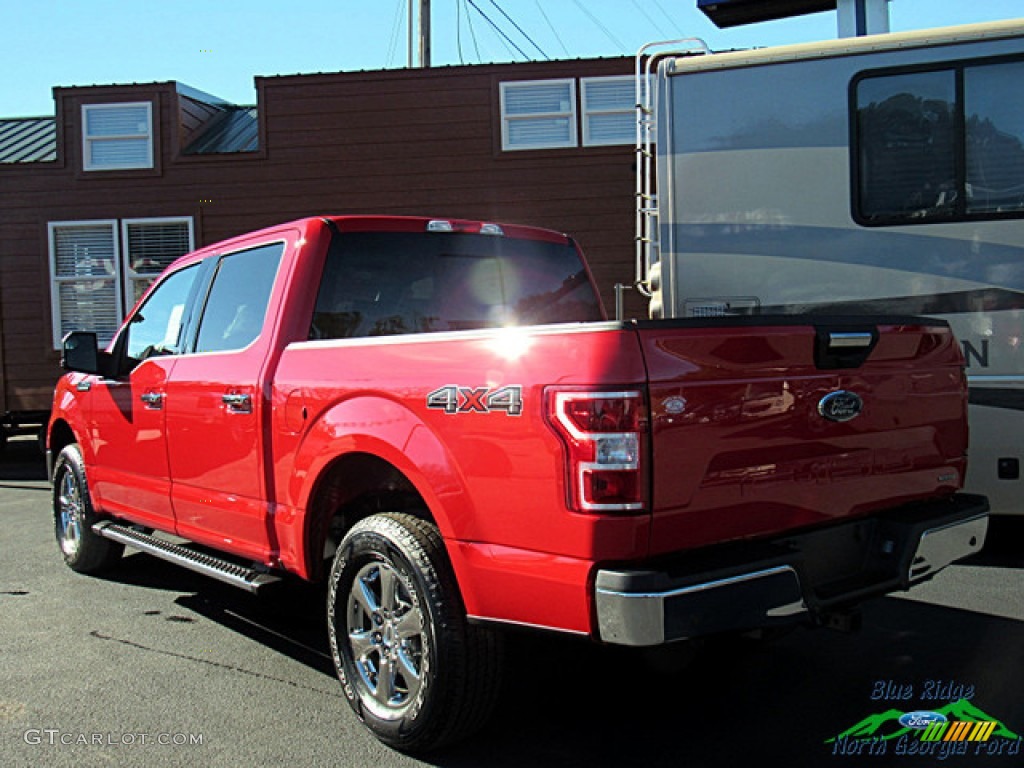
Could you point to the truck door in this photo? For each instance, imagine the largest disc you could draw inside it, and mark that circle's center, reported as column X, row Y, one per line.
column 215, row 410
column 129, row 475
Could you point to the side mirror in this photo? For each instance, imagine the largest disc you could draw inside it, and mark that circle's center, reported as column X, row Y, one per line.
column 81, row 353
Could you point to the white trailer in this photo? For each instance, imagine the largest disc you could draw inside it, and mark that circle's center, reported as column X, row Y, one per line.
column 876, row 175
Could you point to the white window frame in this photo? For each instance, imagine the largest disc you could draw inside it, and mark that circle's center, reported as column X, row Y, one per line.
column 124, row 276
column 88, row 141
column 586, row 112
column 56, row 281
column 129, row 275
column 571, row 114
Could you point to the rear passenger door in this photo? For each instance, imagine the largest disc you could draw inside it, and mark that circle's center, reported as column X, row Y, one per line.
column 215, row 409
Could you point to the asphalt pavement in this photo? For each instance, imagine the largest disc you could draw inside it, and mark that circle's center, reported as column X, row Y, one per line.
column 156, row 666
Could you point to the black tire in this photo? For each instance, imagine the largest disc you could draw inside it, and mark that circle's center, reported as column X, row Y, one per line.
column 73, row 517
column 415, row 672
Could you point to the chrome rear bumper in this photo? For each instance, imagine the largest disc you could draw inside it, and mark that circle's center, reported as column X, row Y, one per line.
column 794, row 578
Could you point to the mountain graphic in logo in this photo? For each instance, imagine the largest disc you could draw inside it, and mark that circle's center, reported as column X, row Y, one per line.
column 886, row 725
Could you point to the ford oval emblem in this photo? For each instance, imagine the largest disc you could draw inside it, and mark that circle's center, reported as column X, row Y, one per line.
column 674, row 405
column 921, row 720
column 840, row 406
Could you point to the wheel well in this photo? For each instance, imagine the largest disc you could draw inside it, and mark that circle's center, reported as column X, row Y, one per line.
column 353, row 487
column 61, row 436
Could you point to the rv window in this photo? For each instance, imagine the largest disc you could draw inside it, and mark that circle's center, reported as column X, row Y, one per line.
column 907, row 150
column 995, row 138
column 937, row 145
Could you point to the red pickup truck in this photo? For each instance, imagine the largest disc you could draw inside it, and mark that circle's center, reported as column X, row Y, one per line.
column 435, row 418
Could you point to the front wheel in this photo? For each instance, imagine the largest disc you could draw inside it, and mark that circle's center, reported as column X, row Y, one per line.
column 73, row 517
column 415, row 672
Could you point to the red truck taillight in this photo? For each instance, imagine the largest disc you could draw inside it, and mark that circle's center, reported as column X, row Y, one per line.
column 603, row 435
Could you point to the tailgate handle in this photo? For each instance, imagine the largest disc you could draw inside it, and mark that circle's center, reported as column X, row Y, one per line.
column 843, row 347
column 843, row 340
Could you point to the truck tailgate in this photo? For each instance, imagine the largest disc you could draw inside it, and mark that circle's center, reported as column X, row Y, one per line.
column 761, row 425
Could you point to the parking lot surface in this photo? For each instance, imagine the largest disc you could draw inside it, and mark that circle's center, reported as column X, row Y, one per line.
column 156, row 666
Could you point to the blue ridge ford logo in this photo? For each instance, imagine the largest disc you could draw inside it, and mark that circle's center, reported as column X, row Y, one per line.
column 921, row 719
column 840, row 406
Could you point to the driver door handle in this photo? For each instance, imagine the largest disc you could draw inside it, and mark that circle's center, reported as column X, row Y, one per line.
column 153, row 400
column 237, row 402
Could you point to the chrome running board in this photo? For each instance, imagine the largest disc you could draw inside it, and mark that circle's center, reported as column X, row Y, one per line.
column 249, row 579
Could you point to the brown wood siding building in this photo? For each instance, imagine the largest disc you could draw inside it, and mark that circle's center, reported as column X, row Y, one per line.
column 395, row 141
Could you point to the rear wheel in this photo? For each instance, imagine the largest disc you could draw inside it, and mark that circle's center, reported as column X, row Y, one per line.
column 412, row 668
column 73, row 517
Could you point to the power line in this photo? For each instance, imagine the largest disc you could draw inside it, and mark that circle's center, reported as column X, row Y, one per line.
column 552, row 27
column 395, row 27
column 458, row 29
column 472, row 33
column 670, row 19
column 519, row 29
column 600, row 26
column 499, row 30
column 650, row 18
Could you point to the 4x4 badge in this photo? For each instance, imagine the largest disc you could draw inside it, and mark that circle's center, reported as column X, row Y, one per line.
column 840, row 406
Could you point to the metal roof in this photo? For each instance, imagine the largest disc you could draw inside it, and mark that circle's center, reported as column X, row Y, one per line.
column 28, row 140
column 236, row 129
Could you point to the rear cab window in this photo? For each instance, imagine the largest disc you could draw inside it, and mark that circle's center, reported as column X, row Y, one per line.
column 388, row 283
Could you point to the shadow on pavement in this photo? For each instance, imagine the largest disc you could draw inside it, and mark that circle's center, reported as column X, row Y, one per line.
column 1004, row 544
column 572, row 703
column 743, row 703
column 21, row 461
column 568, row 702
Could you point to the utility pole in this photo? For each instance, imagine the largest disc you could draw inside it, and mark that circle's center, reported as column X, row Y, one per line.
column 423, row 59
column 424, row 33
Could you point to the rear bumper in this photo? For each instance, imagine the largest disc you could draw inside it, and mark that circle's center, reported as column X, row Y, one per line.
column 752, row 585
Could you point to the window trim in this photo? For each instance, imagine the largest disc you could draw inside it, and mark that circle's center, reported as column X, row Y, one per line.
column 87, row 141
column 585, row 113
column 957, row 67
column 129, row 275
column 56, row 317
column 573, row 114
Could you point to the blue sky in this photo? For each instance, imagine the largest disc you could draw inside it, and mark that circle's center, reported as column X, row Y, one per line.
column 218, row 46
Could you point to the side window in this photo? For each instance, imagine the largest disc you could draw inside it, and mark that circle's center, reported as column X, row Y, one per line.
column 90, row 264
column 117, row 136
column 155, row 329
column 939, row 145
column 609, row 110
column 538, row 114
column 906, row 158
column 237, row 304
column 995, row 138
